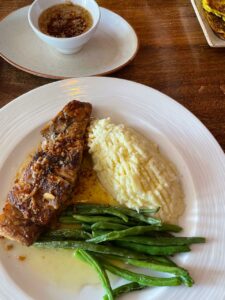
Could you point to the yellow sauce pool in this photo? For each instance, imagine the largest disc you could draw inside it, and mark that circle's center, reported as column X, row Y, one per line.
column 89, row 189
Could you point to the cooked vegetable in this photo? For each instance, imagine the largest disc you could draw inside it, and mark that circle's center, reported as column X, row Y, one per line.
column 163, row 241
column 155, row 266
column 141, row 278
column 95, row 219
column 86, row 227
column 93, row 206
column 99, row 232
column 120, row 212
column 98, row 210
column 124, row 236
column 108, row 226
column 149, row 210
column 104, row 249
column 115, row 235
column 126, row 288
column 165, row 260
column 139, row 216
column 68, row 233
column 85, row 256
column 154, row 250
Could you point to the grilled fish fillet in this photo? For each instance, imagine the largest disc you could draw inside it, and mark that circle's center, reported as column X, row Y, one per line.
column 45, row 186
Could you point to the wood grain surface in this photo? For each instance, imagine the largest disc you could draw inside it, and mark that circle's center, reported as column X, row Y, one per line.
column 173, row 58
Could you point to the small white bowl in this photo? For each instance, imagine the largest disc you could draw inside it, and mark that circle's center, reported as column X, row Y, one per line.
column 64, row 45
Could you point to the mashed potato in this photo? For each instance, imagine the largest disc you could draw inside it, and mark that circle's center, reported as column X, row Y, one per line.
column 133, row 171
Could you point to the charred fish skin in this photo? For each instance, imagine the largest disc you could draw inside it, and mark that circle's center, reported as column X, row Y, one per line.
column 45, row 187
column 15, row 227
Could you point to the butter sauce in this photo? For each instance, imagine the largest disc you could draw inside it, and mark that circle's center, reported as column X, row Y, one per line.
column 56, row 266
column 89, row 189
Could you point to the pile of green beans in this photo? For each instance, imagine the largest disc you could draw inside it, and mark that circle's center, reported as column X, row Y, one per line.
column 102, row 234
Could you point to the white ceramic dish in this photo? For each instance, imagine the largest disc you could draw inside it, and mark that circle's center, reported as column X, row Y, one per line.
column 113, row 45
column 64, row 45
column 179, row 134
column 212, row 39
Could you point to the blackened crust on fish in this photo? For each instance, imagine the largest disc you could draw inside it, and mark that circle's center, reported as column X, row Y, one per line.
column 14, row 226
column 45, row 187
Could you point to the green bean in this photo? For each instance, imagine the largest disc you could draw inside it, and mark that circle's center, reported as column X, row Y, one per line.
column 68, row 220
column 68, row 233
column 163, row 241
column 104, row 249
column 161, row 234
column 142, row 210
column 135, row 239
column 186, row 278
column 82, row 210
column 168, row 227
column 83, row 255
column 86, row 227
column 108, row 225
column 126, row 288
column 155, row 259
column 163, row 230
column 67, row 213
column 139, row 217
column 126, row 212
column 153, row 250
column 95, row 219
column 141, row 278
column 156, row 233
column 115, row 235
column 99, row 232
column 164, row 260
column 149, row 210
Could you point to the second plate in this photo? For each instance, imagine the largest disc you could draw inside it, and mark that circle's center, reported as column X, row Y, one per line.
column 212, row 39
column 114, row 45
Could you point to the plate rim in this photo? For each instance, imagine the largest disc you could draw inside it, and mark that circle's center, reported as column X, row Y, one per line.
column 119, row 79
column 44, row 75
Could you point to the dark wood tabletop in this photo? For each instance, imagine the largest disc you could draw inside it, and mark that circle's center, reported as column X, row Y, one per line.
column 173, row 57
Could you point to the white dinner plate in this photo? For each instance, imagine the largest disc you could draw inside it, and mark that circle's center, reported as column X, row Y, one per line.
column 113, row 45
column 180, row 135
column 212, row 39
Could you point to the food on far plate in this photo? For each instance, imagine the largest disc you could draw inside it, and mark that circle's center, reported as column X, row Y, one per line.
column 46, row 184
column 215, row 14
column 215, row 6
column 65, row 20
column 47, row 206
column 133, row 170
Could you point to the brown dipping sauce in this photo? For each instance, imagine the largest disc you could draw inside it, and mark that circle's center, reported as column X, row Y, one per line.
column 65, row 20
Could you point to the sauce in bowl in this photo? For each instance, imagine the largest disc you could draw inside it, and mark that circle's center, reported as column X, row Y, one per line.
column 65, row 20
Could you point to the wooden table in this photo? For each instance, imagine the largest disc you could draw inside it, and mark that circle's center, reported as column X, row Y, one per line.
column 173, row 58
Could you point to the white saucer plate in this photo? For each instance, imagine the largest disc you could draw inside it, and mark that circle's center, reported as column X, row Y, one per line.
column 179, row 134
column 212, row 39
column 114, row 45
